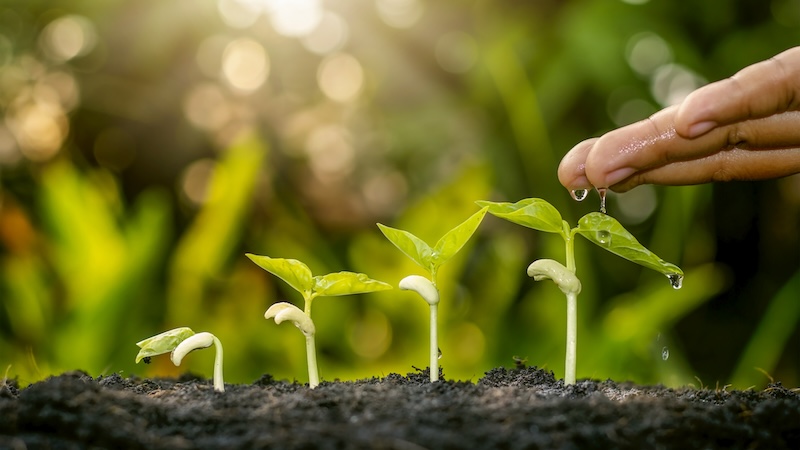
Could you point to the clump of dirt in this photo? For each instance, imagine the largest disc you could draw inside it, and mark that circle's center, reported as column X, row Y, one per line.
column 507, row 408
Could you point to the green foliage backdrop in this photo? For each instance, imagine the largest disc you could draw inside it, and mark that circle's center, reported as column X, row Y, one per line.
column 147, row 145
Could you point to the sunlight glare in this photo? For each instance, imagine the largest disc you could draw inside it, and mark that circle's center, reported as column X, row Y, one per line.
column 295, row 18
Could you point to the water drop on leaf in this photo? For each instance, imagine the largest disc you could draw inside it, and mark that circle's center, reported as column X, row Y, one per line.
column 676, row 280
column 604, row 237
column 579, row 194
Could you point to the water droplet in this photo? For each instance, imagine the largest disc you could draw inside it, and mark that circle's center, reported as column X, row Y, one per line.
column 665, row 353
column 440, row 352
column 602, row 192
column 604, row 237
column 676, row 280
column 579, row 194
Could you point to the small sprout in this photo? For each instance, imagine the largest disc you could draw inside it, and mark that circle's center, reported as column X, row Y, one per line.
column 430, row 259
column 286, row 311
column 298, row 276
column 599, row 228
column 519, row 363
column 181, row 341
column 421, row 286
column 548, row 269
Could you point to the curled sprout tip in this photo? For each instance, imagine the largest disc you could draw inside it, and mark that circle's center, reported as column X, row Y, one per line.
column 422, row 286
column 286, row 311
column 194, row 342
column 544, row 269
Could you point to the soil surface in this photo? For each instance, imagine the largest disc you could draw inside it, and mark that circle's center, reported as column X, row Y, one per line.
column 508, row 408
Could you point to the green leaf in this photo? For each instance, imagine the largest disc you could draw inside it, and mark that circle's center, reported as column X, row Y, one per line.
column 609, row 234
column 414, row 247
column 162, row 343
column 292, row 271
column 455, row 239
column 346, row 283
column 531, row 212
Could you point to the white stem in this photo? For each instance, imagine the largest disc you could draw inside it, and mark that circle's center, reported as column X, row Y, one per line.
column 572, row 338
column 311, row 356
column 219, row 384
column 434, row 366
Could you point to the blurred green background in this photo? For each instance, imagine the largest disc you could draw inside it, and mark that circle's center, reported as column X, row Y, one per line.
column 147, row 145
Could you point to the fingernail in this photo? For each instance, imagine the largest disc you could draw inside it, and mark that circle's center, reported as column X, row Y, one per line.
column 701, row 128
column 619, row 175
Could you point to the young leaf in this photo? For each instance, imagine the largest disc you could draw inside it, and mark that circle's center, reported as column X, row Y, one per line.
column 414, row 247
column 346, row 283
column 531, row 212
column 454, row 239
column 162, row 343
column 606, row 232
column 293, row 272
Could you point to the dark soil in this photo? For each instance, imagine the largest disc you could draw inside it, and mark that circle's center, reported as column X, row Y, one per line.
column 515, row 408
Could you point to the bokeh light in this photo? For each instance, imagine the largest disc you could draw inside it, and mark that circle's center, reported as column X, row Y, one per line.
column 295, row 18
column 245, row 65
column 671, row 83
column 68, row 37
column 399, row 13
column 329, row 35
column 646, row 52
column 340, row 77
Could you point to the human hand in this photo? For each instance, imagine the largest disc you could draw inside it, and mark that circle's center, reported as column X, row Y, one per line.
column 746, row 127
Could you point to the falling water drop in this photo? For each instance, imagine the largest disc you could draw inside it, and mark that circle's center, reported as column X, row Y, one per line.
column 676, row 280
column 665, row 353
column 440, row 353
column 602, row 192
column 604, row 237
column 579, row 194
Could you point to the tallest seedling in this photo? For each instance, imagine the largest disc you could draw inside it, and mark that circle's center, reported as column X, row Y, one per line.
column 430, row 259
column 598, row 228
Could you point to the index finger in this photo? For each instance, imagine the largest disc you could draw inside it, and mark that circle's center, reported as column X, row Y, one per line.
column 760, row 90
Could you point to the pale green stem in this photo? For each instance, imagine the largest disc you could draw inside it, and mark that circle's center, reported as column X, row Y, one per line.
column 219, row 384
column 311, row 355
column 311, row 347
column 572, row 338
column 570, row 241
column 434, row 366
column 572, row 316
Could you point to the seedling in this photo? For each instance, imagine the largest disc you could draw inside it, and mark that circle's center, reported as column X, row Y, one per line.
column 179, row 342
column 298, row 276
column 599, row 228
column 430, row 259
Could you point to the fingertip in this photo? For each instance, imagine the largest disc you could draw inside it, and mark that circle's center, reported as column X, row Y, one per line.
column 572, row 169
column 700, row 128
column 694, row 116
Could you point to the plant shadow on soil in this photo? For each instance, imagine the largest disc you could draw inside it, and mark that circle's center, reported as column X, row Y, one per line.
column 525, row 408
